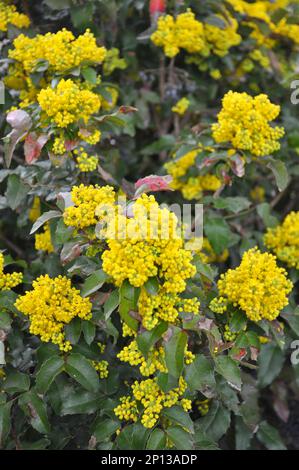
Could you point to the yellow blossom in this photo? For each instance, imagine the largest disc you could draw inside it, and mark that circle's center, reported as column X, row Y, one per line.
column 51, row 304
column 102, row 368
column 67, row 103
column 244, row 123
column 10, row 280
column 182, row 32
column 86, row 199
column 10, row 16
column 181, row 106
column 283, row 240
column 257, row 286
column 148, row 394
column 43, row 240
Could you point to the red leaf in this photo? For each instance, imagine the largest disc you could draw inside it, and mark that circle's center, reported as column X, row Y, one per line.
column 153, row 183
column 33, row 146
column 157, row 6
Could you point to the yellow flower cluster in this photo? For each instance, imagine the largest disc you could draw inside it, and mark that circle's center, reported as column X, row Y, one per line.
column 50, row 305
column 203, row 406
column 102, row 368
column 221, row 40
column 85, row 162
column 91, row 138
column 163, row 306
column 244, row 122
column 61, row 50
column 59, row 145
column 229, row 335
column 86, row 200
column 263, row 11
column 181, row 106
column 284, row 240
column 68, row 103
column 153, row 400
column 182, row 32
column 257, row 286
column 186, row 32
column 10, row 15
column 43, row 240
column 155, row 361
column 8, row 281
column 148, row 366
column 194, row 186
column 146, row 245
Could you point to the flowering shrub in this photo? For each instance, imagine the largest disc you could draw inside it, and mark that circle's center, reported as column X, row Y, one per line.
column 122, row 325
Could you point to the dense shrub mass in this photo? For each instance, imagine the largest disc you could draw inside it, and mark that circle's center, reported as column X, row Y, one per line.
column 121, row 327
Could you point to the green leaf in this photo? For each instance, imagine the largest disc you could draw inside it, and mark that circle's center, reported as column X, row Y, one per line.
column 111, row 303
column 133, row 437
column 218, row 233
column 243, row 434
column 45, row 217
column 177, row 415
column 16, row 382
column 264, row 211
column 34, row 407
column 16, row 191
column 280, row 173
column 238, row 321
column 48, row 372
column 204, row 269
column 128, row 298
column 4, row 421
column 81, row 402
column 270, row 361
column 233, row 204
column 269, row 436
column 174, row 352
column 216, row 422
column 105, row 428
column 89, row 331
column 82, row 16
column 94, row 283
column 73, row 330
column 166, row 381
column 215, row 20
column 5, row 321
column 157, row 440
column 203, row 442
column 147, row 339
column 228, row 368
column 180, row 438
column 152, row 286
column 90, row 75
column 200, row 374
column 81, row 370
column 292, row 319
